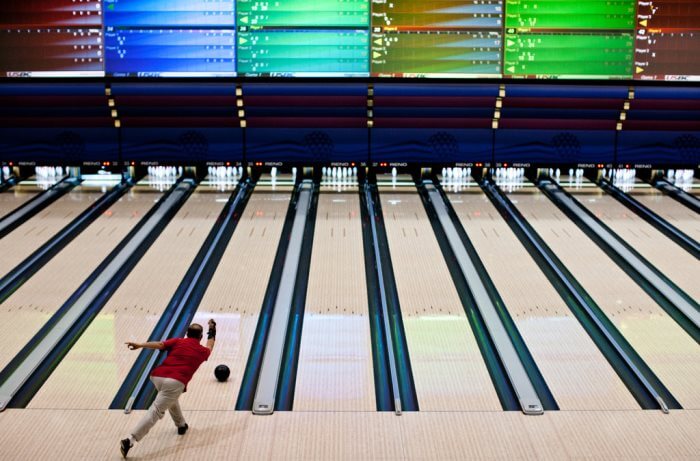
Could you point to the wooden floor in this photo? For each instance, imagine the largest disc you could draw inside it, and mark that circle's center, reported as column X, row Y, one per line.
column 235, row 295
column 26, row 311
column 658, row 339
column 228, row 435
column 17, row 196
column 677, row 214
column 448, row 369
column 335, row 361
column 92, row 372
column 667, row 256
column 566, row 356
column 460, row 415
column 25, row 239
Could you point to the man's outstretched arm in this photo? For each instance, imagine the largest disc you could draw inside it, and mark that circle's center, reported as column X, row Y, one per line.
column 159, row 345
column 211, row 334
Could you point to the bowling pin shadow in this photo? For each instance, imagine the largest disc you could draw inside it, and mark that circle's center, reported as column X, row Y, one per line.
column 197, row 441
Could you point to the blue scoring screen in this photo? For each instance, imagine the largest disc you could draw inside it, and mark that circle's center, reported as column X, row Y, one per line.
column 178, row 38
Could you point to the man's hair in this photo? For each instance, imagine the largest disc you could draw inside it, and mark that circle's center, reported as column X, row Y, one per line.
column 195, row 331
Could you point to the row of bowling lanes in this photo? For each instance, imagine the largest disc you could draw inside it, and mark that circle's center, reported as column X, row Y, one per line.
column 335, row 370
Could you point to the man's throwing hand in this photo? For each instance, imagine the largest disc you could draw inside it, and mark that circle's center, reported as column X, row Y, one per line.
column 211, row 334
column 132, row 346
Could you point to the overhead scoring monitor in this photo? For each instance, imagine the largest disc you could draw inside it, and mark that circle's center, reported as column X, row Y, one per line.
column 512, row 39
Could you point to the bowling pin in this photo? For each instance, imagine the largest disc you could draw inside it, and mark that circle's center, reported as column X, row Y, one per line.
column 393, row 172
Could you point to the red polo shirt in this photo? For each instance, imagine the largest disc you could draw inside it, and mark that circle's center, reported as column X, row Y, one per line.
column 185, row 355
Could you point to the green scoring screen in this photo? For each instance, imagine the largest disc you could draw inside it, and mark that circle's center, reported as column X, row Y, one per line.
column 585, row 39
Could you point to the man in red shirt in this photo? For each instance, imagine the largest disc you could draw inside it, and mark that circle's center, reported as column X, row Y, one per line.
column 185, row 355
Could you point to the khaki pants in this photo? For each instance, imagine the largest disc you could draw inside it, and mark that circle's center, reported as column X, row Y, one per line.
column 169, row 391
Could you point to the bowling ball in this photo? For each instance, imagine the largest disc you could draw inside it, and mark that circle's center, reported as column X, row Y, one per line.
column 222, row 372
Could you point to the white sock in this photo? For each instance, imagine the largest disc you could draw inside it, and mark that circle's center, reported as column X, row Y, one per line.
column 132, row 440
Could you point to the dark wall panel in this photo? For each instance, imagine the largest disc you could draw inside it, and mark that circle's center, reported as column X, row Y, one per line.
column 182, row 145
column 306, row 145
column 431, row 145
column 676, row 148
column 58, row 146
column 554, row 146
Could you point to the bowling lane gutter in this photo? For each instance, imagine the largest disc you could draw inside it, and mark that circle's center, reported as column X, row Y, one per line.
column 24, row 270
column 646, row 388
column 32, row 366
column 16, row 218
column 393, row 335
column 9, row 183
column 271, row 372
column 681, row 307
column 290, row 360
column 678, row 194
column 514, row 373
column 136, row 391
column 251, row 376
column 384, row 377
column 662, row 225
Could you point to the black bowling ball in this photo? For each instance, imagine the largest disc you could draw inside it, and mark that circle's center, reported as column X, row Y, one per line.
column 222, row 373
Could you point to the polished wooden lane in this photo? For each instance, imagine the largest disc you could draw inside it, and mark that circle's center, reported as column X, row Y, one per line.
column 30, row 235
column 26, row 311
column 18, row 195
column 677, row 214
column 695, row 187
column 573, row 367
column 672, row 260
column 335, row 361
column 660, row 341
column 90, row 375
column 448, row 369
column 226, row 435
column 235, row 295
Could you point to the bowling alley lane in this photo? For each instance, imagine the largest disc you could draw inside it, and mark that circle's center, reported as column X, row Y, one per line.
column 26, row 311
column 448, row 369
column 235, row 295
column 335, row 360
column 695, row 187
column 89, row 376
column 18, row 195
column 677, row 214
column 29, row 236
column 567, row 357
column 666, row 348
column 671, row 259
